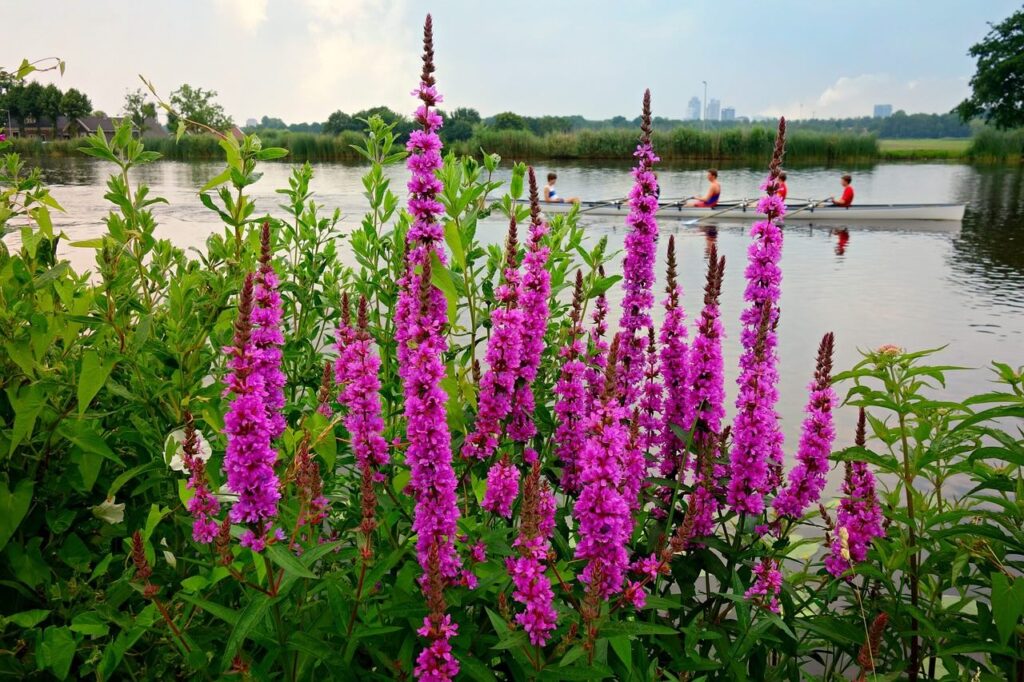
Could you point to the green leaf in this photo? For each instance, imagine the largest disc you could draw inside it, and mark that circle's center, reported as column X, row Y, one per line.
column 27, row 619
column 13, row 507
column 90, row 623
column 217, row 180
column 94, row 375
column 89, row 243
column 632, row 628
column 280, row 555
column 56, row 651
column 623, row 648
column 250, row 617
column 1005, row 609
column 454, row 241
column 229, row 616
column 441, row 277
column 27, row 402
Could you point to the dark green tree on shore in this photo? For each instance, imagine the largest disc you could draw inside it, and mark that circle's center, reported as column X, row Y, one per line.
column 73, row 105
column 138, row 109
column 508, row 120
column 458, row 125
column 49, row 105
column 998, row 82
column 199, row 107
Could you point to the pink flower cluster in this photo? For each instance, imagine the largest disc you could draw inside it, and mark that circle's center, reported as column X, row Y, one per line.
column 807, row 479
column 571, row 395
column 858, row 522
column 203, row 506
column 767, row 585
column 638, row 265
column 504, row 356
column 267, row 336
column 249, row 459
column 356, row 373
column 601, row 510
column 674, row 372
column 532, row 586
column 534, row 292
column 436, row 662
column 502, row 488
column 757, row 436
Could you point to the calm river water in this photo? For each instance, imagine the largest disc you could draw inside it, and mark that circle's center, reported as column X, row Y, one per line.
column 959, row 285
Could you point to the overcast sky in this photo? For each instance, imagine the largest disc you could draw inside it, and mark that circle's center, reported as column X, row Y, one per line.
column 302, row 59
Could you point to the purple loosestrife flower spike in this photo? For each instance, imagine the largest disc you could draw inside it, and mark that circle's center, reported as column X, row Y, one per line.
column 267, row 336
column 601, row 512
column 502, row 488
column 249, row 459
column 504, row 352
column 359, row 366
column 757, row 437
column 638, row 265
column 597, row 359
column 652, row 400
column 807, row 479
column 421, row 316
column 203, row 505
column 705, row 372
column 767, row 585
column 535, row 290
column 571, row 394
column 859, row 520
column 673, row 371
column 532, row 586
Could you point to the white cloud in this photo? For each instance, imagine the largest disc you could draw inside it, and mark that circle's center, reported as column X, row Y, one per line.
column 361, row 53
column 857, row 95
column 249, row 14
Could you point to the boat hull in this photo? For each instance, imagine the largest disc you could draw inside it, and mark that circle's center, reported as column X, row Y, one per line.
column 797, row 213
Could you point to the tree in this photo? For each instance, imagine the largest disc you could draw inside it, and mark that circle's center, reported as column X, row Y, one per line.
column 49, row 105
column 197, row 106
column 459, row 124
column 338, row 122
column 270, row 123
column 507, row 120
column 32, row 103
column 998, row 82
column 138, row 109
column 73, row 105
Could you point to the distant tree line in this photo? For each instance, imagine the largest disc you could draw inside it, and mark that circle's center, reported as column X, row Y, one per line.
column 460, row 123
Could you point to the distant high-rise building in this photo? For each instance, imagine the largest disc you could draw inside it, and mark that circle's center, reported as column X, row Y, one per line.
column 883, row 110
column 251, row 123
column 714, row 110
column 693, row 109
column 728, row 114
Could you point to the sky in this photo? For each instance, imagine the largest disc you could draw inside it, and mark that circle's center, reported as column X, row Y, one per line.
column 302, row 59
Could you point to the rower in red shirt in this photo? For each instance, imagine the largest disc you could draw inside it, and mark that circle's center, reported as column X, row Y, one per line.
column 847, row 198
column 780, row 189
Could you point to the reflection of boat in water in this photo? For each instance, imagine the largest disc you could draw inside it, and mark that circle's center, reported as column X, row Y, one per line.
column 802, row 212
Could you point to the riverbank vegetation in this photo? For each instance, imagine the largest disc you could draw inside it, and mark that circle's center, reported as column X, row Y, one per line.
column 449, row 460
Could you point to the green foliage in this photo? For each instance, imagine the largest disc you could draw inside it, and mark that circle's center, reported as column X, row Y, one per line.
column 138, row 109
column 99, row 368
column 198, row 109
column 998, row 81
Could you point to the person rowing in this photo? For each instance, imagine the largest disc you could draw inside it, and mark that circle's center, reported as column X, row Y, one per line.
column 551, row 195
column 781, row 191
column 847, row 198
column 709, row 200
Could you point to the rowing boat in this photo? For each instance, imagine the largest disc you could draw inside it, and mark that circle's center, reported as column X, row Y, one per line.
column 746, row 210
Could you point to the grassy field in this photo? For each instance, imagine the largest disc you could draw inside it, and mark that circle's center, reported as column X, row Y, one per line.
column 919, row 148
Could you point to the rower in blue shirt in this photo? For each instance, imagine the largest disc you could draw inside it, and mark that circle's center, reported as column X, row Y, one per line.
column 551, row 195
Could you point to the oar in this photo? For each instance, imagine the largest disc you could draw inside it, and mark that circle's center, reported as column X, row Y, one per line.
column 810, row 205
column 602, row 204
column 742, row 204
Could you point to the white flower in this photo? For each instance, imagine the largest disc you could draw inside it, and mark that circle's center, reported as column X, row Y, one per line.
column 174, row 448
column 109, row 511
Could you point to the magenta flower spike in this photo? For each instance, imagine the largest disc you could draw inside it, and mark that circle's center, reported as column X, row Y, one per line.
column 859, row 520
column 767, row 585
column 267, row 336
column 638, row 265
column 673, row 372
column 504, row 353
column 203, row 506
column 601, row 511
column 571, row 395
column 757, row 455
column 534, row 292
column 532, row 586
column 807, row 479
column 422, row 317
column 359, row 365
column 249, row 459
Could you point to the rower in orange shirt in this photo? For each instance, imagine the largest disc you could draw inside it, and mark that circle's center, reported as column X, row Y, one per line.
column 781, row 191
column 847, row 198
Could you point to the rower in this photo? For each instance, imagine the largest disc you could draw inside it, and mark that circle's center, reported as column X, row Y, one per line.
column 847, row 198
column 780, row 188
column 551, row 195
column 709, row 200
